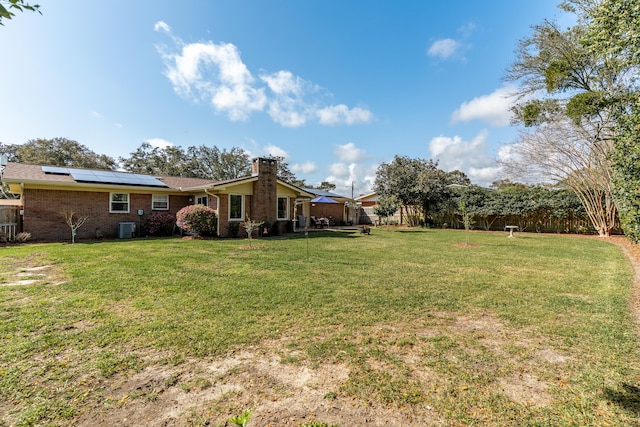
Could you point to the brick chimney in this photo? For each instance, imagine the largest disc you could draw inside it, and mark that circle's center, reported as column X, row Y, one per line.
column 264, row 200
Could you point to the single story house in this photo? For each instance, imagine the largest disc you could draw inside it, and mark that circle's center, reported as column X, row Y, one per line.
column 116, row 201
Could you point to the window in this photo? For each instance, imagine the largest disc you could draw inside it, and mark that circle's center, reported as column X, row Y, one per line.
column 202, row 200
column 119, row 202
column 160, row 202
column 236, row 207
column 283, row 208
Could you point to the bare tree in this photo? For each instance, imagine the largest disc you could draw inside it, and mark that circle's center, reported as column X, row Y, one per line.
column 575, row 154
column 74, row 223
column 250, row 226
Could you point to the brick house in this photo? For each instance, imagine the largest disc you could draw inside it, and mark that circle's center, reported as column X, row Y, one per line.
column 111, row 199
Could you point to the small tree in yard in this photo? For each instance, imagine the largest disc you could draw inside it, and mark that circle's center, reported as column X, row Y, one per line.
column 466, row 219
column 74, row 223
column 250, row 226
column 387, row 206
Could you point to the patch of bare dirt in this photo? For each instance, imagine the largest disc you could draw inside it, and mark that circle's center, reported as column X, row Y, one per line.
column 33, row 274
column 210, row 391
column 526, row 389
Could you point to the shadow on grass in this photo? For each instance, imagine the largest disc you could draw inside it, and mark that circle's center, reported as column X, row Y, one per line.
column 627, row 398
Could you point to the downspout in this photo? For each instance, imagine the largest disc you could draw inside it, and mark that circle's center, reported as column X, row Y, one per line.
column 217, row 208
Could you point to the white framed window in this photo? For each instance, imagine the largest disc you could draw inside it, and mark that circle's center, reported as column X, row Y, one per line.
column 283, row 208
column 236, row 207
column 202, row 200
column 160, row 202
column 119, row 202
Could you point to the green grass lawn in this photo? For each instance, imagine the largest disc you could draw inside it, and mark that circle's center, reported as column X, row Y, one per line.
column 533, row 331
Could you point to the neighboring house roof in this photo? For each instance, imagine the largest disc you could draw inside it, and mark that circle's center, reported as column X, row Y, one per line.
column 367, row 197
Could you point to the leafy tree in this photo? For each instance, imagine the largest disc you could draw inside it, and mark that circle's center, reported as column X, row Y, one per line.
column 419, row 186
column 615, row 33
column 479, row 203
column 7, row 8
column 386, row 206
column 626, row 176
column 58, row 152
column 284, row 173
column 399, row 178
column 434, row 185
column 569, row 96
column 300, row 183
column 457, row 177
column 219, row 165
column 326, row 186
column 195, row 162
column 150, row 160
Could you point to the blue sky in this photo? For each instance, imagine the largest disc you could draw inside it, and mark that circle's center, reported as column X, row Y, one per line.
column 334, row 86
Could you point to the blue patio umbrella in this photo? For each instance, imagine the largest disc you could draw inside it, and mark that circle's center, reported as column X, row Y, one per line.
column 323, row 199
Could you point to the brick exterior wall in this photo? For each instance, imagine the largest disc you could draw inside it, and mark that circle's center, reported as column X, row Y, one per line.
column 43, row 212
column 264, row 200
column 335, row 211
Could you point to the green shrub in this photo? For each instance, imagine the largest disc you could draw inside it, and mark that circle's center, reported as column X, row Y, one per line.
column 158, row 224
column 197, row 219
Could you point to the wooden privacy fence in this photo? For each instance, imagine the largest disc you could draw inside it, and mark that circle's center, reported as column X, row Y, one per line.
column 368, row 217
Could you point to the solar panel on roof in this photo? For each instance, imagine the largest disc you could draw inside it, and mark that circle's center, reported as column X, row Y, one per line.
column 55, row 170
column 107, row 177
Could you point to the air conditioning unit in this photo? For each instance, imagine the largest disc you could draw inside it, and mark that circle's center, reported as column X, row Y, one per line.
column 126, row 230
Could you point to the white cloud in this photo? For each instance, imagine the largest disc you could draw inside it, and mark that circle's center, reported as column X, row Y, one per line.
column 444, row 48
column 454, row 153
column 493, row 108
column 215, row 72
column 350, row 177
column 287, row 106
column 160, row 143
column 96, row 115
column 339, row 171
column 467, row 29
column 350, row 153
column 306, row 167
column 273, row 150
column 341, row 114
column 161, row 26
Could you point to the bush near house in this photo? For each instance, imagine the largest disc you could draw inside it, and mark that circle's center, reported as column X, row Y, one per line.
column 197, row 219
column 159, row 224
